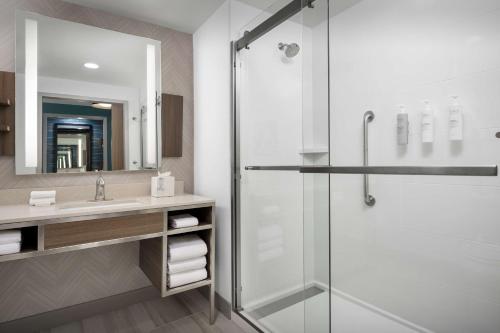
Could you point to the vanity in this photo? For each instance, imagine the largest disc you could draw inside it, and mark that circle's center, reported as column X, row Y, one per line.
column 85, row 99
column 76, row 226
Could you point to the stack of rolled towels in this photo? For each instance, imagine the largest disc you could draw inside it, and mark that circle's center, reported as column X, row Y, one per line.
column 42, row 198
column 10, row 241
column 186, row 261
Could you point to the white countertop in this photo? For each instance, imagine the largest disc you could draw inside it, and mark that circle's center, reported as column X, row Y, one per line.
column 26, row 213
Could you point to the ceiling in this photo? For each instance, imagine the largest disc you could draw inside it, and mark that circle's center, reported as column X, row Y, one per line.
column 187, row 15
column 181, row 15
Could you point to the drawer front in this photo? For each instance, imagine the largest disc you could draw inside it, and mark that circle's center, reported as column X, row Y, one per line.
column 82, row 232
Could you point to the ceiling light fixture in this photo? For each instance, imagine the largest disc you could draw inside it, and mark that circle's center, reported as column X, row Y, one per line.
column 91, row 65
column 99, row 105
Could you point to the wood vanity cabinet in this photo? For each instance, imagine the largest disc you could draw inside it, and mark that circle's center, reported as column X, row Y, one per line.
column 147, row 226
column 7, row 114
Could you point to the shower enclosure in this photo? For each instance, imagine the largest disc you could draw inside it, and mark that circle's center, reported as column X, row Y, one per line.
column 365, row 188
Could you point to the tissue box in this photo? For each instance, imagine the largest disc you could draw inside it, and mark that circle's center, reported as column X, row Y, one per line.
column 162, row 186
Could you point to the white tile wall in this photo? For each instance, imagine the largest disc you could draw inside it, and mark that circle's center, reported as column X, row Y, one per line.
column 429, row 251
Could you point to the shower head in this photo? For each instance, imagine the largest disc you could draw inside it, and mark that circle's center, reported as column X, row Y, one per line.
column 291, row 50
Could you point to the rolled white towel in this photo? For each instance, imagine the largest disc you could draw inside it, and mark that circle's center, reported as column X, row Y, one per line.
column 185, row 247
column 182, row 221
column 10, row 248
column 10, row 236
column 180, row 279
column 42, row 202
column 42, row 194
column 186, row 265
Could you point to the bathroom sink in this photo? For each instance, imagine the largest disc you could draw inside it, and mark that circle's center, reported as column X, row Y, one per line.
column 91, row 204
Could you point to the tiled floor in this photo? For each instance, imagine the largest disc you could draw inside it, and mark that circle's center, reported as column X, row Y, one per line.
column 184, row 313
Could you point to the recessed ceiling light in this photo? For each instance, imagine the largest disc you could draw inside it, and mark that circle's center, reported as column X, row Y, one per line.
column 91, row 65
column 101, row 105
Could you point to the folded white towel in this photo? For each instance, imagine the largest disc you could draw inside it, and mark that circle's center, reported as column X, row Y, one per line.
column 269, row 232
column 42, row 194
column 10, row 236
column 271, row 254
column 10, row 248
column 182, row 221
column 180, row 279
column 185, row 247
column 186, row 265
column 270, row 244
column 42, row 202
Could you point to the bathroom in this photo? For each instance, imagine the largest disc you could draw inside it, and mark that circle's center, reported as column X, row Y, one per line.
column 249, row 166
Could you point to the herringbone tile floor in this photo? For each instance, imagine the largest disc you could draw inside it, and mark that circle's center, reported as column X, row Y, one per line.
column 185, row 313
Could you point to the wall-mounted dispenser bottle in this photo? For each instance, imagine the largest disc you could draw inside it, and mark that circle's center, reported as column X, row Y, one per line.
column 456, row 121
column 427, row 123
column 402, row 123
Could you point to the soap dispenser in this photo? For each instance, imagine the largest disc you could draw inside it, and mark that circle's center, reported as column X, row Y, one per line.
column 402, row 126
column 427, row 123
column 456, row 121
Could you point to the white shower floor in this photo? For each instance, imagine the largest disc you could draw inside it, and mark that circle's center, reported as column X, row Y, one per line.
column 348, row 317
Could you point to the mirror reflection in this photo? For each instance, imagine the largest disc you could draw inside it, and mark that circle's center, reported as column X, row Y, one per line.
column 81, row 136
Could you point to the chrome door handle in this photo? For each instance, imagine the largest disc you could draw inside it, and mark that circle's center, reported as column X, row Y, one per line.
column 476, row 171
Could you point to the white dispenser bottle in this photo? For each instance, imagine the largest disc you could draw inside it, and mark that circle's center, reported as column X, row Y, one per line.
column 402, row 126
column 456, row 121
column 427, row 123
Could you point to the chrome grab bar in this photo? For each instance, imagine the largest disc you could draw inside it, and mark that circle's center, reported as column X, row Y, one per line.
column 478, row 171
column 367, row 118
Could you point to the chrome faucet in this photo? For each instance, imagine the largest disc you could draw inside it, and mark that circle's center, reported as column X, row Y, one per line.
column 100, row 191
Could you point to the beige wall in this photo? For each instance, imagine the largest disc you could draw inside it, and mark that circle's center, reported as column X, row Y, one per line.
column 42, row 284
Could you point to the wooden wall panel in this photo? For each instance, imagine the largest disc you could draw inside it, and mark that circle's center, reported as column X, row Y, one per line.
column 7, row 113
column 117, row 138
column 172, row 123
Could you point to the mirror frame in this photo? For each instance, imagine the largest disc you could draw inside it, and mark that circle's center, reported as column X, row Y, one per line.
column 21, row 147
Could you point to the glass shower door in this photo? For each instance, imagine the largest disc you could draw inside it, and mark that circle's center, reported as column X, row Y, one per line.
column 283, row 216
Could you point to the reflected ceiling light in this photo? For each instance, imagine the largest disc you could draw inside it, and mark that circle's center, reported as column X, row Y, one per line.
column 99, row 105
column 91, row 65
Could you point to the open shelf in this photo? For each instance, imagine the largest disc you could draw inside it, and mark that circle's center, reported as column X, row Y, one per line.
column 29, row 244
column 314, row 150
column 206, row 234
column 199, row 227
column 203, row 214
column 186, row 287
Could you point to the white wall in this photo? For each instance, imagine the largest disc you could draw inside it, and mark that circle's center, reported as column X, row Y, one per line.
column 212, row 168
column 429, row 251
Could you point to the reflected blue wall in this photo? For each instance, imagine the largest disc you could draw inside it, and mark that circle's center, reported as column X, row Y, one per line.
column 97, row 131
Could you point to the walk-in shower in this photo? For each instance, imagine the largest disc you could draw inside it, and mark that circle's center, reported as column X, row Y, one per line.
column 317, row 139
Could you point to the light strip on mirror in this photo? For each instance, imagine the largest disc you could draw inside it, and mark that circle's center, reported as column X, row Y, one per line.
column 31, row 91
column 151, row 105
column 79, row 153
